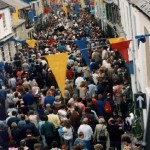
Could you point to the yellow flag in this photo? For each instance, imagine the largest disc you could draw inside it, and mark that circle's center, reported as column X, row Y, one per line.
column 40, row 9
column 15, row 16
column 116, row 40
column 58, row 65
column 31, row 43
column 64, row 8
column 101, row 3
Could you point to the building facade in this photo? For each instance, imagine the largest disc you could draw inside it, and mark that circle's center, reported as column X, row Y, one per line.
column 7, row 48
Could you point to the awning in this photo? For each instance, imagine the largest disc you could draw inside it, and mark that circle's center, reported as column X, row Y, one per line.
column 16, row 4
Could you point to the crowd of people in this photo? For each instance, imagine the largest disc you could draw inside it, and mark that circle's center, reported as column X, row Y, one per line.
column 95, row 112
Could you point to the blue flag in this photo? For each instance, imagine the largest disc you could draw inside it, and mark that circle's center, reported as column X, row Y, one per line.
column 81, row 44
column 26, row 1
column 141, row 38
column 130, row 67
column 76, row 9
column 31, row 16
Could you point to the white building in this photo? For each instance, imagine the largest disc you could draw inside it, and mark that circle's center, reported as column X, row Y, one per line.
column 7, row 47
column 135, row 19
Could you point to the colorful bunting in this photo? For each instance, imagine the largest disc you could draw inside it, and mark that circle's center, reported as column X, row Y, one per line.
column 58, row 65
column 82, row 45
column 31, row 43
column 122, row 48
column 116, row 40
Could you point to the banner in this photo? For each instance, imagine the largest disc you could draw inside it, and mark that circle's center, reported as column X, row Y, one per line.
column 116, row 40
column 81, row 44
column 130, row 66
column 64, row 8
column 31, row 15
column 31, row 43
column 15, row 16
column 58, row 65
column 76, row 9
column 122, row 48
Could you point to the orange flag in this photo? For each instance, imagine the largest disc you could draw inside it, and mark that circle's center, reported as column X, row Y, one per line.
column 31, row 43
column 116, row 40
column 1, row 16
column 58, row 65
column 122, row 48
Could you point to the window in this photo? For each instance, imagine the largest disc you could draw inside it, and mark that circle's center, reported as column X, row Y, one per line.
column 4, row 20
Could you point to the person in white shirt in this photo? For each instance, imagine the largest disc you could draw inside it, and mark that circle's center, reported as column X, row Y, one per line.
column 68, row 134
column 88, row 132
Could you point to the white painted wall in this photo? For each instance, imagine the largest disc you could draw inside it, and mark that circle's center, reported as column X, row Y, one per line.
column 134, row 23
column 8, row 29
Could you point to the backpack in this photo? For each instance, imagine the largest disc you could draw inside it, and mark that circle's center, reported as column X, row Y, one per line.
column 107, row 107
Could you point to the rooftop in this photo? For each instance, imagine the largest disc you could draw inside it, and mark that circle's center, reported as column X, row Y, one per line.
column 143, row 5
column 3, row 5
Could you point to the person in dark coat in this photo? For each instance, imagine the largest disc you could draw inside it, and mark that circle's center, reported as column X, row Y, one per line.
column 115, row 132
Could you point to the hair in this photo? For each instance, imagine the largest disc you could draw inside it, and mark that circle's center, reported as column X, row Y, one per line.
column 54, row 144
column 126, row 139
column 45, row 118
column 14, row 113
column 67, row 124
column 28, row 131
column 81, row 134
column 31, row 112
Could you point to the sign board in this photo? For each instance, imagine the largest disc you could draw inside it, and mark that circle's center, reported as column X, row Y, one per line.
column 140, row 100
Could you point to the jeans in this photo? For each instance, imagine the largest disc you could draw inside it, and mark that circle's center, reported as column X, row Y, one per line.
column 69, row 144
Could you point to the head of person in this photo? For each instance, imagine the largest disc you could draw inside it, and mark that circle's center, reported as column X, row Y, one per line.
column 101, row 121
column 85, row 121
column 37, row 146
column 54, row 144
column 81, row 135
column 126, row 140
column 98, row 147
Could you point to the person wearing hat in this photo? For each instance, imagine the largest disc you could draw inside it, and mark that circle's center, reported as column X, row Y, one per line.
column 101, row 133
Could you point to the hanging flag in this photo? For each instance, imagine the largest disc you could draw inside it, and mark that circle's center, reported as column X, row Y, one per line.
column 31, row 15
column 82, row 45
column 15, row 16
column 31, row 43
column 64, row 8
column 141, row 38
column 76, row 9
column 1, row 16
column 130, row 67
column 116, row 40
column 26, row 1
column 58, row 65
column 40, row 10
column 51, row 41
column 122, row 48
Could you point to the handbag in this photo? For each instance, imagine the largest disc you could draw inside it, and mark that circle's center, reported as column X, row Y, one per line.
column 102, row 136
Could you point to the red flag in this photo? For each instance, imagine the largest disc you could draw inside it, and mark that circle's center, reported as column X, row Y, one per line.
column 122, row 48
column 51, row 41
column 1, row 16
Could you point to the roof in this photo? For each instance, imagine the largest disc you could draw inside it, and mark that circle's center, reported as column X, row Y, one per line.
column 143, row 5
column 3, row 5
column 16, row 3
